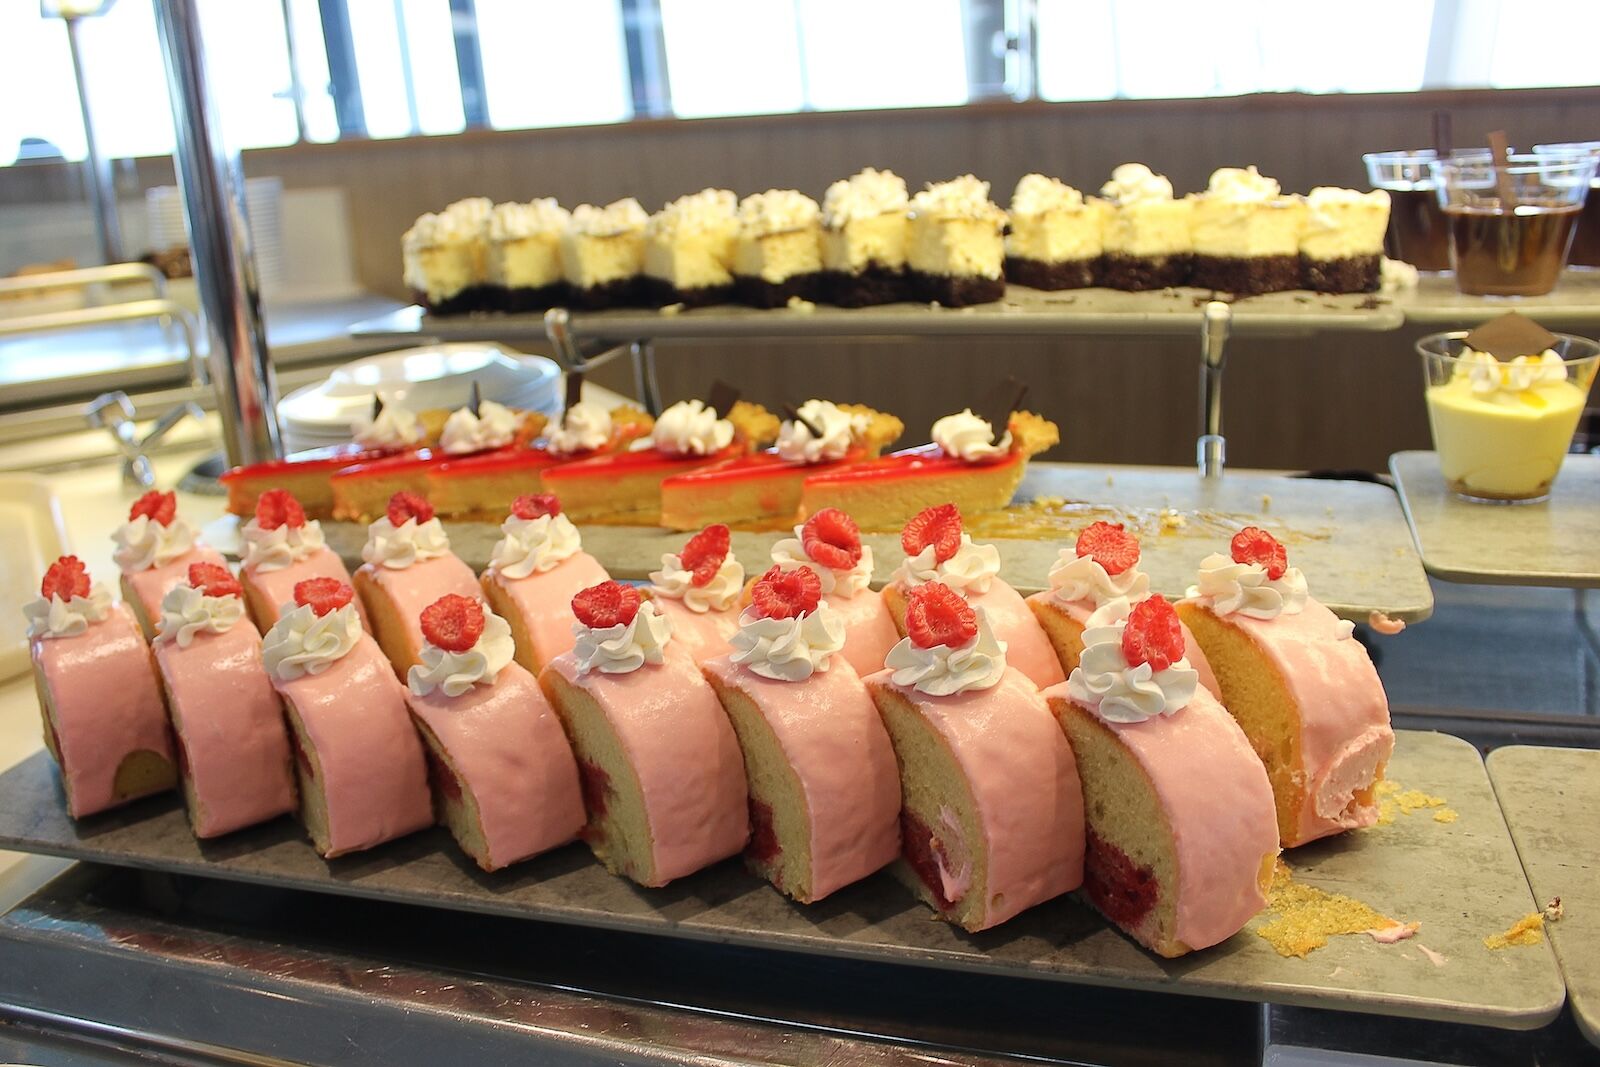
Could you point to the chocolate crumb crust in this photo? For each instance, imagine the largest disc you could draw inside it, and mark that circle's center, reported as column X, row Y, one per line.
column 472, row 298
column 616, row 293
column 760, row 293
column 1348, row 274
column 529, row 298
column 658, row 292
column 1143, row 273
column 1063, row 274
column 873, row 285
column 1246, row 275
column 953, row 291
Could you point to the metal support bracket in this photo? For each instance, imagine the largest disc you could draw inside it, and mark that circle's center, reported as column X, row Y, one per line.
column 115, row 413
column 1211, row 449
column 570, row 354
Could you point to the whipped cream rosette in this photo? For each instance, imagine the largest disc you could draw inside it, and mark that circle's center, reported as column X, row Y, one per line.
column 464, row 646
column 1122, row 688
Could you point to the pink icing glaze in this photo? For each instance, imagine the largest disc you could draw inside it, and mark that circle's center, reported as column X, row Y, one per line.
column 1027, row 647
column 704, row 635
column 107, row 705
column 153, row 583
column 1216, row 798
column 830, row 732
column 544, row 600
column 277, row 587
column 508, row 748
column 415, row 587
column 681, row 746
column 1344, row 714
column 1080, row 610
column 869, row 631
column 1024, row 784
column 373, row 774
column 232, row 732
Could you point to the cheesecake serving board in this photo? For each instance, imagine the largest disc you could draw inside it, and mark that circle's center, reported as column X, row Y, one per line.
column 1461, row 880
column 1551, row 799
column 1350, row 538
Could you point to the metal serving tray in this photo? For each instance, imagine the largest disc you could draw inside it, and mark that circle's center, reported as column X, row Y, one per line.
column 1461, row 880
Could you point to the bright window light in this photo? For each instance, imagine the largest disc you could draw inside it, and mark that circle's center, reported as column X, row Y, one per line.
column 568, row 85
column 732, row 57
column 385, row 45
column 847, row 64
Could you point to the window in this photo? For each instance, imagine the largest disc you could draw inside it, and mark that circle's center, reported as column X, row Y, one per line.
column 564, row 86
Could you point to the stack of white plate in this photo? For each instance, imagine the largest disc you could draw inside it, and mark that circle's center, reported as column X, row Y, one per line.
column 432, row 376
column 263, row 199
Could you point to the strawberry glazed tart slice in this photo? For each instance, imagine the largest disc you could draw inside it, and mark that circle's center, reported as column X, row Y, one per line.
column 154, row 550
column 282, row 548
column 829, row 545
column 1182, row 836
column 233, row 748
column 536, row 569
column 937, row 550
column 824, row 791
column 663, row 778
column 1299, row 683
column 697, row 590
column 992, row 817
column 408, row 566
column 1101, row 567
column 98, row 693
column 363, row 779
column 504, row 779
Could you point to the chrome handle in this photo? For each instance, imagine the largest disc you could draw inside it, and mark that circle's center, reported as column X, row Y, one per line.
column 1211, row 448
column 115, row 413
column 84, row 277
column 162, row 311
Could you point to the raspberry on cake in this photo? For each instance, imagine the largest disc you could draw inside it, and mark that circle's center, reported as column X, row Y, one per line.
column 1341, row 247
column 359, row 764
column 864, row 228
column 937, row 550
column 819, row 436
column 824, row 791
column 964, row 464
column 1056, row 236
column 233, row 749
column 1101, row 567
column 154, row 550
column 536, row 569
column 829, row 544
column 1246, row 234
column 992, row 815
column 688, row 250
column 1298, row 682
column 502, row 772
column 778, row 253
column 445, row 258
column 663, row 779
column 1181, row 836
column 1146, row 238
column 955, row 250
column 688, row 435
column 408, row 565
column 281, row 549
column 697, row 591
column 602, row 254
column 99, row 695
column 524, row 269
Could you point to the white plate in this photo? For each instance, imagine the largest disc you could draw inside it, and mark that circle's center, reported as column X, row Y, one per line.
column 35, row 536
column 432, row 376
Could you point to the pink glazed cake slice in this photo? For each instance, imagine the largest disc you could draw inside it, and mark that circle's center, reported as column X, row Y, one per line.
column 233, row 748
column 663, row 777
column 104, row 721
column 538, row 607
column 394, row 599
column 1181, row 831
column 363, row 775
column 993, row 809
column 702, row 634
column 824, row 789
column 266, row 591
column 143, row 590
column 501, row 768
column 1027, row 648
column 1063, row 624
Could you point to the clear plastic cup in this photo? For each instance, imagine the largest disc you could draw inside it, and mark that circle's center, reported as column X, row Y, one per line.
column 1586, row 242
column 1511, row 223
column 1503, row 429
column 1417, row 231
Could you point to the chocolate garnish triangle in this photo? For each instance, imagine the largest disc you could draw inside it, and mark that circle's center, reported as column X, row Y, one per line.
column 995, row 406
column 377, row 406
column 574, row 390
column 1505, row 337
column 792, row 413
column 722, row 398
column 475, row 401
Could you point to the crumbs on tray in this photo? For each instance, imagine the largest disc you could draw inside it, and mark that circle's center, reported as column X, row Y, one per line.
column 1305, row 917
column 1528, row 930
column 1394, row 798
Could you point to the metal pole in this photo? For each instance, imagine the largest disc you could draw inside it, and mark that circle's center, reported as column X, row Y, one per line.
column 219, row 241
column 102, row 187
column 1212, row 447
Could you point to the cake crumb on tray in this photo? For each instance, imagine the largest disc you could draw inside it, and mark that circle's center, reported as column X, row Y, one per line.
column 1528, row 930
